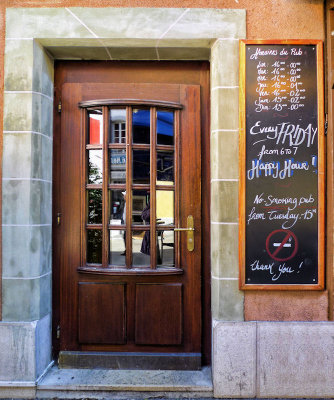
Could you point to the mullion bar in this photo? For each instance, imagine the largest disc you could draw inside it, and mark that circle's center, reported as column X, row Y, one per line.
column 128, row 197
column 177, row 237
column 105, row 238
column 153, row 173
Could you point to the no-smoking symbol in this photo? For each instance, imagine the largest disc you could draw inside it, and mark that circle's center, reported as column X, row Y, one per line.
column 282, row 245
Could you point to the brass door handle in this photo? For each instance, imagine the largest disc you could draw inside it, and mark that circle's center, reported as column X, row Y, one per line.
column 190, row 232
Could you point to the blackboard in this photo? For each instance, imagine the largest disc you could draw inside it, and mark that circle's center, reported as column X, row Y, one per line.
column 281, row 211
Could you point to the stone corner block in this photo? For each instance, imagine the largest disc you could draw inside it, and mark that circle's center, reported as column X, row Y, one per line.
column 17, row 348
column 295, row 359
column 234, row 359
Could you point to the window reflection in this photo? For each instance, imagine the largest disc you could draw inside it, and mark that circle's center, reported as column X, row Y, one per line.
column 94, row 246
column 95, row 126
column 165, row 167
column 165, row 127
column 95, row 166
column 95, row 206
column 141, row 248
column 141, row 126
column 141, row 166
column 165, row 207
column 117, row 247
column 166, row 248
column 117, row 166
column 140, row 202
column 117, row 126
column 117, row 207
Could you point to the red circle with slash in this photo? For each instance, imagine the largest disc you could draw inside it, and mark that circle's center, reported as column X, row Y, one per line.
column 275, row 254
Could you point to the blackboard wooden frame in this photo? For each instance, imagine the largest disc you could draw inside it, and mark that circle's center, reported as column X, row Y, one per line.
column 242, row 167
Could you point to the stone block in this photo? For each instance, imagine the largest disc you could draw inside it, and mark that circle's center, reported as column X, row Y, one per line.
column 224, row 201
column 28, row 67
column 43, row 71
column 225, row 109
column 17, row 112
column 27, row 155
column 224, row 152
column 286, row 306
column 211, row 23
column 295, row 359
column 17, row 349
column 26, row 251
column 234, row 360
column 47, row 22
column 183, row 53
column 26, row 202
column 80, row 53
column 224, row 251
column 19, row 65
column 130, row 21
column 227, row 300
column 26, row 299
column 25, row 349
column 43, row 344
column 224, row 58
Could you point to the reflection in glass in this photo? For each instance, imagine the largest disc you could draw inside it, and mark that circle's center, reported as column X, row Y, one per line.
column 94, row 246
column 140, row 248
column 140, row 207
column 117, row 120
column 165, row 256
column 165, row 167
column 165, row 207
column 95, row 166
column 141, row 166
column 141, row 126
column 95, row 206
column 165, row 127
column 117, row 207
column 95, row 126
column 117, row 248
column 117, row 166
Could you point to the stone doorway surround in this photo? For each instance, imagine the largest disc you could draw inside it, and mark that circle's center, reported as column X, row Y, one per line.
column 34, row 38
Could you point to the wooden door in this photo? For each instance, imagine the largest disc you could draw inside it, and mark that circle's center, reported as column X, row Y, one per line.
column 129, row 177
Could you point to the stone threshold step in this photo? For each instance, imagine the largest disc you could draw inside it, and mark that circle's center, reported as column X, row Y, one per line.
column 106, row 383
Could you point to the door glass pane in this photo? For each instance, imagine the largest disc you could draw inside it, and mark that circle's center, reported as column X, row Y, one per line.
column 165, row 207
column 117, row 166
column 141, row 126
column 95, row 126
column 117, row 126
column 141, row 167
column 117, row 207
column 117, row 248
column 165, row 168
column 166, row 248
column 95, row 166
column 94, row 246
column 140, row 207
column 141, row 248
column 95, row 206
column 165, row 127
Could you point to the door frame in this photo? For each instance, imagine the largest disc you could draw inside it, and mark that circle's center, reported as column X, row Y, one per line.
column 171, row 68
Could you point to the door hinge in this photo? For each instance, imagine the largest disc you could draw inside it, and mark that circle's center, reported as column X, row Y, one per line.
column 58, row 219
column 59, row 106
column 58, row 332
